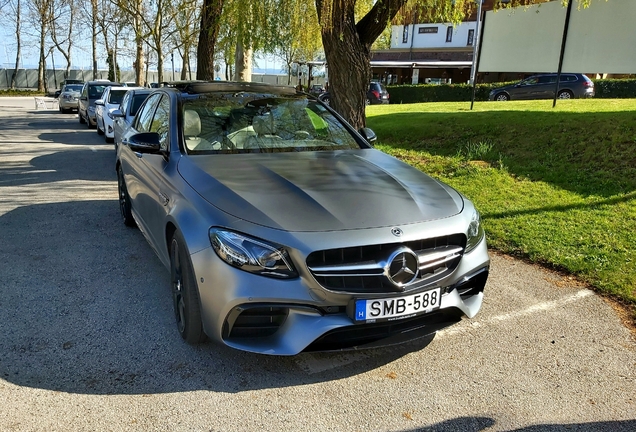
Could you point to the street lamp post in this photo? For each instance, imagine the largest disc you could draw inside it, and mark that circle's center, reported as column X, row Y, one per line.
column 172, row 59
column 473, row 69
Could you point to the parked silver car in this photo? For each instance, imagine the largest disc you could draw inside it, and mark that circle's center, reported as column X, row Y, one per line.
column 91, row 91
column 68, row 97
column 284, row 230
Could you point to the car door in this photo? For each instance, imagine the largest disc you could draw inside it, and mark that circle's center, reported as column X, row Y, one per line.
column 119, row 122
column 524, row 89
column 545, row 87
column 131, row 162
column 150, row 194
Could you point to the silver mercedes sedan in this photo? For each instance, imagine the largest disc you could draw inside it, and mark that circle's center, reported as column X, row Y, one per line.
column 284, row 230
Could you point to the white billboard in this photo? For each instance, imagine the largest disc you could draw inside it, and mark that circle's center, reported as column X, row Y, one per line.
column 601, row 38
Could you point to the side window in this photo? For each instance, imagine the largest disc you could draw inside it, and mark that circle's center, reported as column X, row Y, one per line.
column 123, row 106
column 547, row 79
column 85, row 91
column 161, row 121
column 144, row 117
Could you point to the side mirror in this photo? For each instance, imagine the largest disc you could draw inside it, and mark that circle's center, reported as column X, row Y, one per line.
column 145, row 142
column 117, row 114
column 99, row 102
column 368, row 135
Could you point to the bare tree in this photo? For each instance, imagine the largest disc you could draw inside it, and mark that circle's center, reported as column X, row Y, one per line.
column 63, row 14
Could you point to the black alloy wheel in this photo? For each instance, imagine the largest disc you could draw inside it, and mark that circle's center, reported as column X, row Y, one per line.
column 185, row 294
column 124, row 200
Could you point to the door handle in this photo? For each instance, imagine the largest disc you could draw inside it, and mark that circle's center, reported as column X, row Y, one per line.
column 163, row 198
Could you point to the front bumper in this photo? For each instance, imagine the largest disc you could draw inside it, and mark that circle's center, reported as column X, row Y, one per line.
column 285, row 317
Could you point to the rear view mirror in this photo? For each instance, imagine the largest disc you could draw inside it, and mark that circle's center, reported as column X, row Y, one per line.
column 368, row 135
column 99, row 102
column 145, row 142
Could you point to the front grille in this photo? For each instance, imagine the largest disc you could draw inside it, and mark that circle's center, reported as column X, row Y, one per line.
column 251, row 322
column 361, row 269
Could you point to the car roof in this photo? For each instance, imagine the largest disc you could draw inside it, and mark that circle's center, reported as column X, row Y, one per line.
column 102, row 82
column 201, row 87
column 121, row 88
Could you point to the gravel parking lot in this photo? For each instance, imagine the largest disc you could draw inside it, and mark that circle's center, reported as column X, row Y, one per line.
column 88, row 339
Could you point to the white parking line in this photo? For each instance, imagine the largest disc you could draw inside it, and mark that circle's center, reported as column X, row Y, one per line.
column 316, row 363
column 541, row 307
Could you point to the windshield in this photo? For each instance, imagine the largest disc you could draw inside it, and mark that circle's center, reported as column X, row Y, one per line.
column 116, row 96
column 73, row 88
column 256, row 123
column 95, row 91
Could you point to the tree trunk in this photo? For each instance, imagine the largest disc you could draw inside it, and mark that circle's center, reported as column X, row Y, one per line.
column 185, row 68
column 243, row 63
column 94, row 40
column 210, row 20
column 159, row 61
column 139, row 44
column 42, row 62
column 14, row 77
column 349, row 72
column 348, row 51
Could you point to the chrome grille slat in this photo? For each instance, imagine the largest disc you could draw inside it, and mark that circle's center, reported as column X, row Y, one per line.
column 361, row 269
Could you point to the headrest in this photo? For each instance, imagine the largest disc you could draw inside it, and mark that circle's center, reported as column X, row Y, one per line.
column 191, row 123
column 264, row 125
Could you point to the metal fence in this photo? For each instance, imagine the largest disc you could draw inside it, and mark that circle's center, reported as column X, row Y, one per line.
column 28, row 78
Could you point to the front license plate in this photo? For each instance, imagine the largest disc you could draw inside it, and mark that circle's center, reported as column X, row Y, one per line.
column 398, row 307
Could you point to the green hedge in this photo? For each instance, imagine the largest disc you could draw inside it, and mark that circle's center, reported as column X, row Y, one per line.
column 17, row 92
column 604, row 88
column 614, row 88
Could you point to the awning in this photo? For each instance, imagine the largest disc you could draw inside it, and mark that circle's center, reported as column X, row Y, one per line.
column 422, row 64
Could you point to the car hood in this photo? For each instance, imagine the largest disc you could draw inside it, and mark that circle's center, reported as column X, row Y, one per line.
column 319, row 191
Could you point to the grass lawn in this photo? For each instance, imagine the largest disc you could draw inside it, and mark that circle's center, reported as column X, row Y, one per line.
column 554, row 185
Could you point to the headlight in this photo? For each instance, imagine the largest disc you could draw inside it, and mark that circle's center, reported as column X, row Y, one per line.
column 475, row 232
column 252, row 255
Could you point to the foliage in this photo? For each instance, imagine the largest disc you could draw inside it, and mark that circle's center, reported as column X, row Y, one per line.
column 615, row 88
column 18, row 92
column 556, row 186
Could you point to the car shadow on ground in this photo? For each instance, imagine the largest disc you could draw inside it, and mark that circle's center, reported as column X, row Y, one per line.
column 86, row 308
column 80, row 164
column 477, row 424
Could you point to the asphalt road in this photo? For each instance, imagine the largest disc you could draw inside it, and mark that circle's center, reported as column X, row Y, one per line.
column 88, row 340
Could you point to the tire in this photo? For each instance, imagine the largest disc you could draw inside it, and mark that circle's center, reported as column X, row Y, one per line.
column 185, row 294
column 125, row 206
column 565, row 94
column 81, row 119
column 367, row 101
column 501, row 97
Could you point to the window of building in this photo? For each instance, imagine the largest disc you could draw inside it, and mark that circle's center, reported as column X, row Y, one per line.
column 449, row 34
column 471, row 37
column 405, row 34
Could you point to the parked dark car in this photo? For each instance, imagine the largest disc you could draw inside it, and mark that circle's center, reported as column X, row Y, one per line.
column 284, row 230
column 377, row 94
column 316, row 89
column 543, row 86
column 91, row 92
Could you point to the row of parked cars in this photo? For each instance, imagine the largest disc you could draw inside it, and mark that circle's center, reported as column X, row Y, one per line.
column 106, row 106
column 281, row 227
